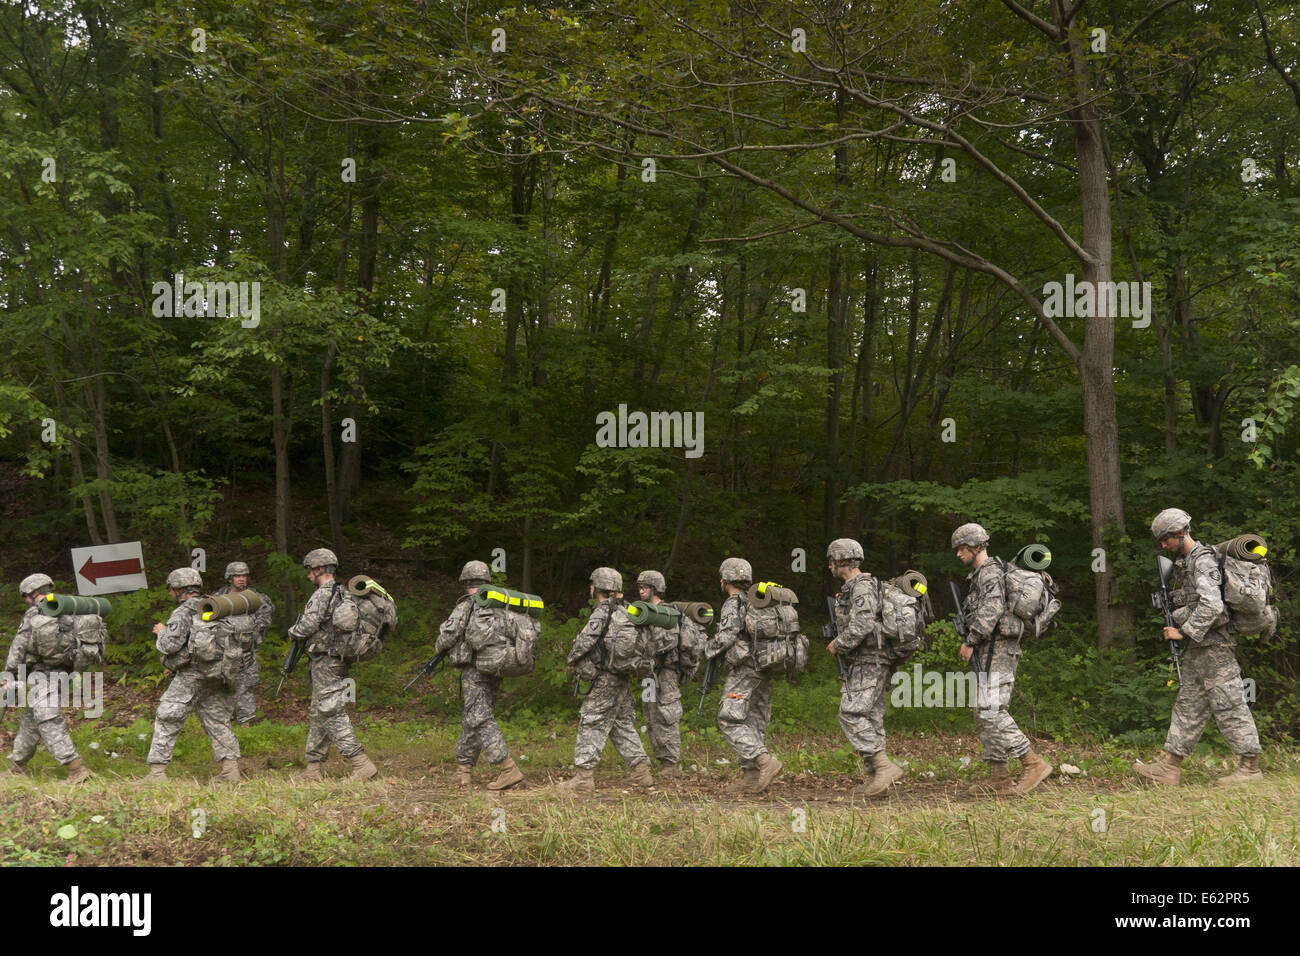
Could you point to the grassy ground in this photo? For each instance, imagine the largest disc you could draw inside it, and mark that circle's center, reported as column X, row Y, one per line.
column 414, row 815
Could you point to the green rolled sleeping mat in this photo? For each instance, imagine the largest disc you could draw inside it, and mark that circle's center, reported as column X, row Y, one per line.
column 227, row 605
column 489, row 595
column 763, row 593
column 1244, row 547
column 698, row 611
column 1035, row 557
column 57, row 605
column 645, row 614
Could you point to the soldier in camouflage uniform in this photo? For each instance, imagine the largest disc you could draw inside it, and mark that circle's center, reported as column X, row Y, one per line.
column 870, row 665
column 747, row 694
column 479, row 732
column 995, row 659
column 42, row 718
column 236, row 581
column 210, row 698
column 663, row 711
column 328, row 720
column 1211, row 684
column 607, row 712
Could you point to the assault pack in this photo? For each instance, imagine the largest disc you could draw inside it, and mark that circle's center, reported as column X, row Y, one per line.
column 905, row 610
column 218, row 645
column 1247, row 586
column 68, row 641
column 772, row 624
column 691, row 636
column 1030, row 593
column 629, row 648
column 503, row 630
column 375, row 619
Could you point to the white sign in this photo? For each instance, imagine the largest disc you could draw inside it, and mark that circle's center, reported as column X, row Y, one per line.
column 109, row 568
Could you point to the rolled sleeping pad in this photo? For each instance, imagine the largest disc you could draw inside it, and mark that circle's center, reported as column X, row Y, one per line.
column 645, row 614
column 698, row 611
column 361, row 583
column 1035, row 557
column 764, row 593
column 224, row 605
column 57, row 605
column 912, row 581
column 1244, row 547
column 491, row 596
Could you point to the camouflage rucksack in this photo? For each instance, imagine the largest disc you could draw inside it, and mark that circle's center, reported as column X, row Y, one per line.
column 374, row 616
column 1031, row 601
column 1247, row 589
column 905, row 610
column 504, row 641
column 779, row 648
column 690, row 647
column 629, row 650
column 217, row 648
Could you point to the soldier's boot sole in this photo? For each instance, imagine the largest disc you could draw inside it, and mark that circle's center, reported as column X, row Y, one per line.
column 1159, row 773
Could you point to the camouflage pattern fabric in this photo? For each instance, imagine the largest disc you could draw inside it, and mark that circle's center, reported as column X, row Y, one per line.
column 745, row 710
column 607, row 714
column 479, row 732
column 997, row 731
column 1211, row 688
column 42, row 719
column 857, row 621
column 247, row 678
column 1196, row 591
column 314, row 625
column 172, row 641
column 663, row 715
column 328, row 718
column 985, row 603
column 862, row 706
column 213, row 703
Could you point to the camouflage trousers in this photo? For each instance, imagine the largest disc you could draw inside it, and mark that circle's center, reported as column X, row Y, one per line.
column 862, row 706
column 479, row 732
column 998, row 733
column 211, row 701
column 663, row 715
column 607, row 714
column 746, row 709
column 328, row 718
column 1211, row 688
column 42, row 721
column 245, row 702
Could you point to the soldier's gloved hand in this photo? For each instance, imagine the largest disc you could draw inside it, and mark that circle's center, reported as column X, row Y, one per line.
column 1173, row 634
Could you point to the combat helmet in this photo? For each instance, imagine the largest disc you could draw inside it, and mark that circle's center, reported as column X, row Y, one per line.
column 971, row 535
column 736, row 571
column 320, row 558
column 236, row 567
column 652, row 579
column 475, row 572
column 34, row 582
column 844, row 549
column 607, row 579
column 183, row 578
column 1170, row 521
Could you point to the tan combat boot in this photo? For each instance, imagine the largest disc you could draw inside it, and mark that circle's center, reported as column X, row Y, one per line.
column 668, row 770
column 1033, row 771
column 768, row 768
column 744, row 783
column 229, row 771
column 157, row 774
column 884, row 773
column 312, row 773
column 508, row 777
column 583, row 781
column 464, row 774
column 362, row 768
column 1247, row 772
column 999, row 781
column 640, row 775
column 78, row 772
column 1166, row 769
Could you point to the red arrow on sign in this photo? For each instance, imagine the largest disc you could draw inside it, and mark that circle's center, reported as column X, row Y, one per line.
column 92, row 571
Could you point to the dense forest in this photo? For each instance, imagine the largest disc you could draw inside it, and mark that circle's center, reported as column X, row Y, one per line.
column 370, row 275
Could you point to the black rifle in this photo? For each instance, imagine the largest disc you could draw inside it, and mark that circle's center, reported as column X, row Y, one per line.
column 429, row 667
column 1161, row 600
column 290, row 662
column 706, row 685
column 831, row 631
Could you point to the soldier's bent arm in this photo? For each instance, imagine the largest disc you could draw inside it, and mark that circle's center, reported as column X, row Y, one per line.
column 18, row 649
column 313, row 615
column 992, row 603
column 1207, row 580
column 262, row 617
column 173, row 637
column 589, row 635
column 731, row 623
column 450, row 631
column 864, row 609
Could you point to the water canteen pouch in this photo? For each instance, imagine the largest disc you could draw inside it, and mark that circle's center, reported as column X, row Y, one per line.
column 905, row 610
column 376, row 619
column 1247, row 586
column 779, row 648
column 629, row 649
column 1031, row 602
column 503, row 632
